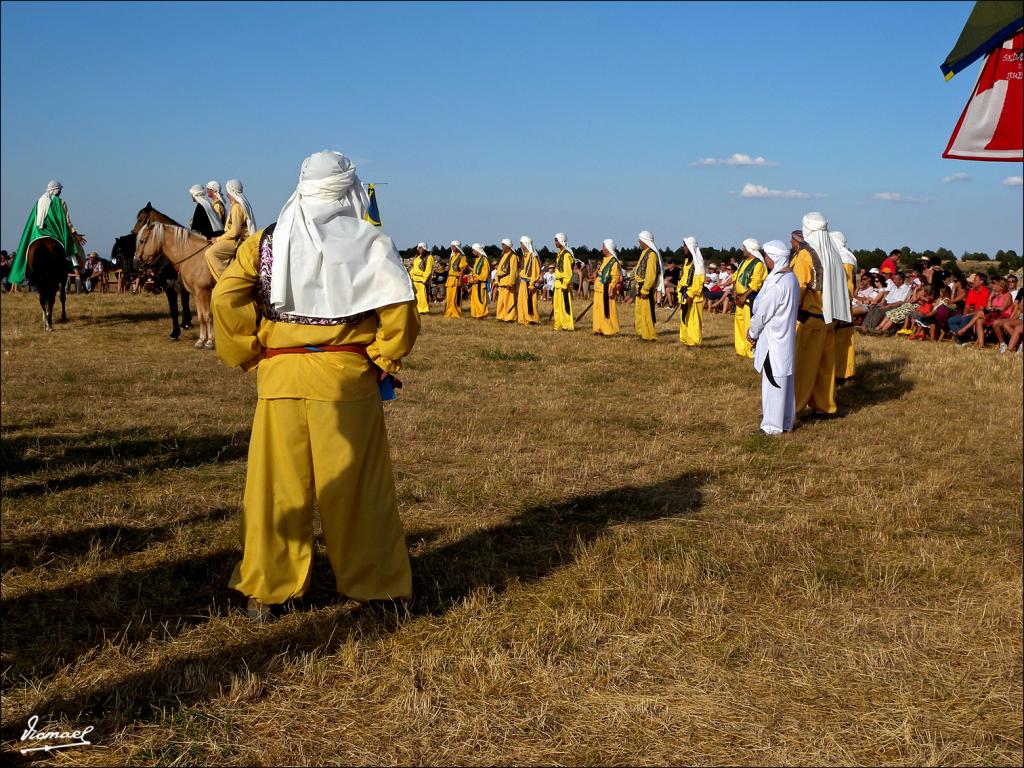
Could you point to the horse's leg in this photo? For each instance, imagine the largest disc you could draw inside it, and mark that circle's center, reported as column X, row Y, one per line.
column 203, row 309
column 47, row 292
column 210, row 343
column 63, row 300
column 186, row 310
column 172, row 307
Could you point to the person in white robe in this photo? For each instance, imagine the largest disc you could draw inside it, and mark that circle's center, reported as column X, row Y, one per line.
column 773, row 334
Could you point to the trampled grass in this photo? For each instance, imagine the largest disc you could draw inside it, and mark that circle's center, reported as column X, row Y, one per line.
column 610, row 567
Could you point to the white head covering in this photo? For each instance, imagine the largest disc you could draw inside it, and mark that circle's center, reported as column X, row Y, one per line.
column 778, row 252
column 698, row 257
column 754, row 247
column 647, row 239
column 214, row 186
column 507, row 242
column 560, row 239
column 479, row 249
column 610, row 247
column 328, row 262
column 234, row 187
column 457, row 245
column 835, row 298
column 421, row 245
column 528, row 244
column 53, row 189
column 847, row 255
column 200, row 197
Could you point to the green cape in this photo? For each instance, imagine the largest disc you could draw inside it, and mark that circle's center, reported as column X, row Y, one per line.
column 55, row 226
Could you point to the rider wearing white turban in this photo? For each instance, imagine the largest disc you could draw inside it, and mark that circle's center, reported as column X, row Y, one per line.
column 53, row 189
column 691, row 295
column 749, row 277
column 457, row 265
column 773, row 330
column 320, row 304
column 508, row 283
column 421, row 271
column 818, row 267
column 238, row 225
column 234, row 188
column 844, row 331
column 609, row 274
column 527, row 310
column 49, row 221
column 204, row 218
column 562, row 299
column 649, row 278
column 219, row 204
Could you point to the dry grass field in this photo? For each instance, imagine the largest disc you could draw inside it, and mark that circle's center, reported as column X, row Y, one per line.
column 610, row 566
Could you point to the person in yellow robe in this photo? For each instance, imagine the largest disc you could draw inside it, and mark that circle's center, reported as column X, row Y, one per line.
column 527, row 309
column 238, row 227
column 508, row 282
column 691, row 295
column 749, row 279
column 824, row 298
column 323, row 348
column 648, row 276
column 421, row 272
column 478, row 283
column 606, row 289
column 845, row 368
column 457, row 264
column 562, row 298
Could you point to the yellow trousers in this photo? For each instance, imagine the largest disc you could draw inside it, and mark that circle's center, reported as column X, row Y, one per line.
column 606, row 326
column 844, row 353
column 526, row 305
column 219, row 255
column 740, row 326
column 478, row 300
column 452, row 301
column 643, row 317
column 815, row 370
column 691, row 322
column 422, row 306
column 337, row 453
column 563, row 310
column 506, row 309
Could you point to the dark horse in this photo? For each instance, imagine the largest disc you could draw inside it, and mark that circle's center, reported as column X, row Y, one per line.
column 167, row 277
column 47, row 268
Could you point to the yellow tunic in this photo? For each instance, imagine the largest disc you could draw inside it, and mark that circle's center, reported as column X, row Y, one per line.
column 844, row 336
column 563, row 292
column 421, row 272
column 508, row 281
column 691, row 314
column 606, row 313
column 814, row 374
column 453, row 285
column 749, row 278
column 318, row 434
column 218, row 206
column 236, row 229
column 478, row 287
column 646, row 278
column 526, row 304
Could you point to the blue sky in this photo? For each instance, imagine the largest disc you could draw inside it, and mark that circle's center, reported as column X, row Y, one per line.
column 497, row 120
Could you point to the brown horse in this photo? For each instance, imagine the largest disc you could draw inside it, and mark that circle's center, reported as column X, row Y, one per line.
column 167, row 277
column 47, row 268
column 184, row 250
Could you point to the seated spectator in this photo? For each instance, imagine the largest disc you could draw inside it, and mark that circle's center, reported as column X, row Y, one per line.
column 671, row 280
column 712, row 290
column 975, row 301
column 1010, row 326
column 6, row 261
column 932, row 323
column 93, row 271
column 862, row 298
column 895, row 295
column 902, row 315
column 999, row 306
column 1011, row 281
column 960, row 288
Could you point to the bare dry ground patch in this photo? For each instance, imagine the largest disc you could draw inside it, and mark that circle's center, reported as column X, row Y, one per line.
column 610, row 567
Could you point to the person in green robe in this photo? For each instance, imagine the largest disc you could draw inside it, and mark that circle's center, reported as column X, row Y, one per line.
column 48, row 219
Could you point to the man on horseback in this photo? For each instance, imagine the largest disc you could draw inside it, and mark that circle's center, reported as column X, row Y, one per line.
column 205, row 220
column 48, row 220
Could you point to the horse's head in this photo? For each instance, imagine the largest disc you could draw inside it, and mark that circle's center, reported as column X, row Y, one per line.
column 143, row 217
column 123, row 252
column 148, row 245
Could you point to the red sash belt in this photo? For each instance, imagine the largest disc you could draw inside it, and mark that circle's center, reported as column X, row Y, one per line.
column 352, row 348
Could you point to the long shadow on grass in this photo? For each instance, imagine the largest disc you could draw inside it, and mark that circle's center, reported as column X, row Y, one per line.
column 80, row 460
column 532, row 545
column 876, row 381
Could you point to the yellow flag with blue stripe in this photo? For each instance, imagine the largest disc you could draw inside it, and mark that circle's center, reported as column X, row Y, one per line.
column 372, row 214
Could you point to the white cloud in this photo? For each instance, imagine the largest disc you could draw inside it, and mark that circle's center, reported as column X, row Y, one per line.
column 1013, row 181
column 899, row 197
column 737, row 158
column 959, row 176
column 756, row 190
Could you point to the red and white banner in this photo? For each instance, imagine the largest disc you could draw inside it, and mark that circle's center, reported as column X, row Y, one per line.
column 992, row 124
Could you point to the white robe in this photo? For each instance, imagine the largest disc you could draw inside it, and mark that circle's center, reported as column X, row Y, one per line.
column 773, row 323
